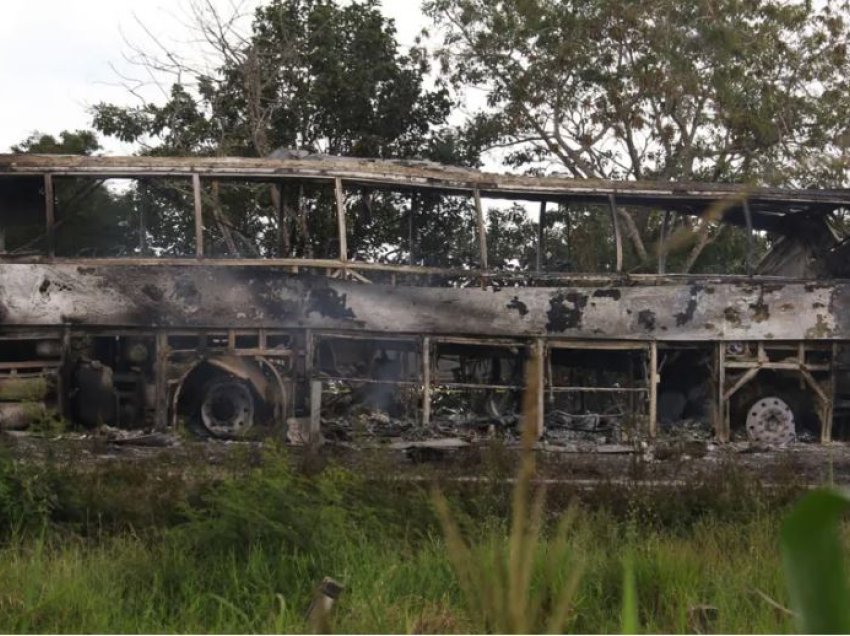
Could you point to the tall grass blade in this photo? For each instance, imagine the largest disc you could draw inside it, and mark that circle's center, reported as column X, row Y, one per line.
column 560, row 551
column 812, row 557
column 630, row 602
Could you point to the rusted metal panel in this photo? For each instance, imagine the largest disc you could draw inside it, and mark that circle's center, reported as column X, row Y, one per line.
column 235, row 297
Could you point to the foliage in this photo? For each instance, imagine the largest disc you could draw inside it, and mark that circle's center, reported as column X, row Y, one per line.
column 726, row 90
column 813, row 557
column 514, row 586
column 196, row 578
column 311, row 75
column 722, row 90
column 319, row 77
column 278, row 505
column 84, row 208
column 185, row 545
column 80, row 142
column 27, row 498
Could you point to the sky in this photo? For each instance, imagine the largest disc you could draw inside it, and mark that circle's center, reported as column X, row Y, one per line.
column 59, row 57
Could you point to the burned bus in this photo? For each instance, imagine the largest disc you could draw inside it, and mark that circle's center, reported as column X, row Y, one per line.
column 197, row 328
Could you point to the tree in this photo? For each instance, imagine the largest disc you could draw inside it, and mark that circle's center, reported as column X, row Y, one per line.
column 310, row 75
column 79, row 142
column 723, row 90
column 315, row 76
column 91, row 218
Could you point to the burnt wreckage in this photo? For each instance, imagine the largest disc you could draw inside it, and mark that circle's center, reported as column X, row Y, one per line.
column 230, row 341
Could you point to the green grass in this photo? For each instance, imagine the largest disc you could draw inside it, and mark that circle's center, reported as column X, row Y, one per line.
column 122, row 549
column 130, row 584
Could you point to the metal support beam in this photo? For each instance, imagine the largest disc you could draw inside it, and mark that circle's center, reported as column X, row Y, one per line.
column 50, row 214
column 161, row 381
column 653, row 389
column 315, row 432
column 662, row 242
column 618, row 239
column 426, row 381
column 721, row 428
column 482, row 229
column 412, row 216
column 199, row 215
column 281, row 213
column 63, row 377
column 340, row 220
column 143, row 217
column 541, row 234
column 748, row 375
column 748, row 218
column 539, row 385
column 829, row 411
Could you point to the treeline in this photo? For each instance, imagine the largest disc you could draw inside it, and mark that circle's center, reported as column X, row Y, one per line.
column 718, row 90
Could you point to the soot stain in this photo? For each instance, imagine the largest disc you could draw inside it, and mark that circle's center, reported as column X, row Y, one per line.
column 185, row 289
column 732, row 315
column 47, row 285
column 565, row 311
column 614, row 294
column 684, row 317
column 65, row 319
column 153, row 292
column 646, row 319
column 329, row 303
column 520, row 306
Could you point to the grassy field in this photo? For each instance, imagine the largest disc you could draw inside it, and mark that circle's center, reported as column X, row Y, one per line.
column 130, row 548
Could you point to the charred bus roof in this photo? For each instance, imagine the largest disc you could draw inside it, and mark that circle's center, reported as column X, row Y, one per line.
column 770, row 209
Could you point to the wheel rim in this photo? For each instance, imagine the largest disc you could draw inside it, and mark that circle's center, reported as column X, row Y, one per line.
column 227, row 408
column 771, row 421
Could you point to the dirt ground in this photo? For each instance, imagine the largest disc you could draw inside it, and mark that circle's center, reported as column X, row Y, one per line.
column 662, row 464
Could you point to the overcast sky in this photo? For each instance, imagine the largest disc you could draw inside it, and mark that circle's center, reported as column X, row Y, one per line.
column 55, row 56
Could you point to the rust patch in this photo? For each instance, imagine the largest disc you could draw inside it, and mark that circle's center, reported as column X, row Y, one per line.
column 820, row 330
column 732, row 315
column 810, row 287
column 759, row 311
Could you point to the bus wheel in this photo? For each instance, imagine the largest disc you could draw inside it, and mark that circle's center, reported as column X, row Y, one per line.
column 227, row 407
column 771, row 421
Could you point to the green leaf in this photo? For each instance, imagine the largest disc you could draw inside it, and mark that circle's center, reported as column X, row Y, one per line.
column 630, row 603
column 812, row 556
